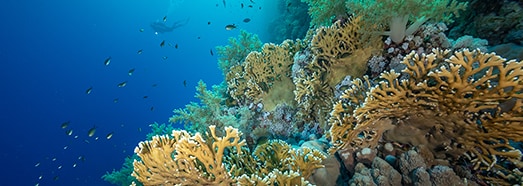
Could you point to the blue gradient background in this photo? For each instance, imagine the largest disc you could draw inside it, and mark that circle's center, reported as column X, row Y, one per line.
column 51, row 51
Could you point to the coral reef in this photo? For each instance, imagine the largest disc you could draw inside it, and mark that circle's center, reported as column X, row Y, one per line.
column 498, row 22
column 211, row 111
column 322, row 12
column 376, row 12
column 338, row 51
column 238, row 48
column 264, row 76
column 292, row 21
column 209, row 159
column 467, row 106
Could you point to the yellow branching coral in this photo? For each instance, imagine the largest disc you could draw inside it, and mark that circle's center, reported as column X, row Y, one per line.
column 469, row 104
column 265, row 75
column 342, row 50
column 276, row 152
column 339, row 51
column 209, row 159
column 186, row 159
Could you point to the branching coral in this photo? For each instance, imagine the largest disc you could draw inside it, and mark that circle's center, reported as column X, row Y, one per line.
column 265, row 75
column 339, row 50
column 342, row 50
column 468, row 106
column 186, row 159
column 396, row 14
column 322, row 12
column 209, row 159
column 211, row 111
column 238, row 48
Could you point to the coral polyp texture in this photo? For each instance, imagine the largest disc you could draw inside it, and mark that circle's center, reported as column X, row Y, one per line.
column 210, row 159
column 265, row 76
column 465, row 106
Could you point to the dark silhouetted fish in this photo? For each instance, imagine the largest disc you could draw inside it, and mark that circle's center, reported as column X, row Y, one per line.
column 107, row 61
column 65, row 124
column 89, row 90
column 122, row 84
column 230, row 27
column 109, row 136
column 246, row 20
column 162, row 43
column 91, row 131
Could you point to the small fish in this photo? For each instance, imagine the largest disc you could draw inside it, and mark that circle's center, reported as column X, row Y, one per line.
column 91, row 131
column 37, row 164
column 140, row 129
column 252, row 2
column 176, row 46
column 96, row 138
column 224, row 5
column 242, row 5
column 154, row 85
column 131, row 71
column 65, row 147
column 56, row 178
column 246, row 20
column 122, row 84
column 140, row 51
column 141, row 29
column 185, row 83
column 87, row 141
column 40, row 177
column 145, row 97
column 65, row 124
column 107, row 61
column 208, row 23
column 259, row 7
column 164, row 19
column 76, row 137
column 165, row 57
column 109, row 136
column 60, row 167
column 89, row 90
column 230, row 27
column 250, row 6
column 152, row 108
column 74, row 165
column 212, row 54
column 199, row 37
column 162, row 43
column 115, row 100
column 82, row 158
column 69, row 132
column 54, row 159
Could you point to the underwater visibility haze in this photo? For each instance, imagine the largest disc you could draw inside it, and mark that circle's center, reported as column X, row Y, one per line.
column 253, row 92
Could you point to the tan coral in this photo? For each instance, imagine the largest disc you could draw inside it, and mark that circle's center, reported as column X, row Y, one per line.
column 265, row 75
column 469, row 104
column 342, row 50
column 195, row 162
column 209, row 159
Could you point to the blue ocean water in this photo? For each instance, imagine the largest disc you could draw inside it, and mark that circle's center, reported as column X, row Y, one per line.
column 52, row 51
